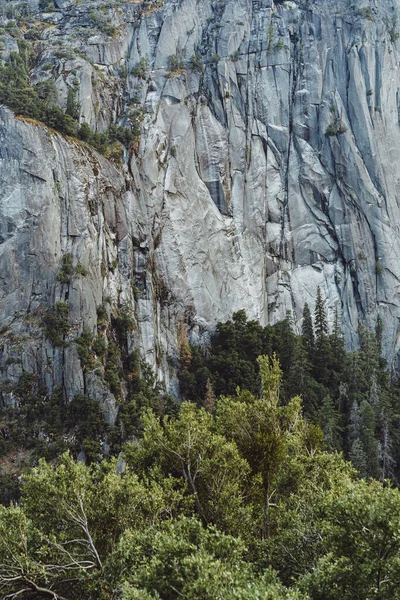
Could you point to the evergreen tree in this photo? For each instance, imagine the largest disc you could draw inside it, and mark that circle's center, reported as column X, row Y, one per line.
column 378, row 332
column 354, row 422
column 388, row 464
column 284, row 341
column 368, row 438
column 358, row 457
column 300, row 381
column 72, row 108
column 329, row 419
column 209, row 399
column 307, row 332
column 322, row 354
column 337, row 347
column 321, row 324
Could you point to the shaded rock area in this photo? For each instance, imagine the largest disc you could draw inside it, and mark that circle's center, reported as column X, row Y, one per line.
column 268, row 165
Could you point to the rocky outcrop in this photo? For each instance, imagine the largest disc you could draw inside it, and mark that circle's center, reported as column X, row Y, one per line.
column 268, row 165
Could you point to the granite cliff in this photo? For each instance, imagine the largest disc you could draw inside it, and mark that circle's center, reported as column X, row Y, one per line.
column 268, row 164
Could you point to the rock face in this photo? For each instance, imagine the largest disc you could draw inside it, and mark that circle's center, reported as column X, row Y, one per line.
column 268, row 165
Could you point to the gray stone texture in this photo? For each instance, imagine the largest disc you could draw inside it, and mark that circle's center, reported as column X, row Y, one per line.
column 235, row 197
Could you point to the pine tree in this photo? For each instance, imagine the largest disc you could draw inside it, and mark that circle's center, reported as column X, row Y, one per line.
column 300, row 381
column 368, row 438
column 307, row 331
column 321, row 324
column 322, row 354
column 329, row 422
column 358, row 457
column 354, row 423
column 378, row 332
column 337, row 345
column 338, row 358
column 209, row 399
column 369, row 358
column 388, row 464
column 374, row 392
column 72, row 108
column 285, row 341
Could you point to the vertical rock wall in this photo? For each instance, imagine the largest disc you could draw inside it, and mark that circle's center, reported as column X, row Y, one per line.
column 268, row 165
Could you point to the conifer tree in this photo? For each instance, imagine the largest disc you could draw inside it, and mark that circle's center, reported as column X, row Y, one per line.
column 209, row 398
column 388, row 463
column 322, row 354
column 300, row 381
column 337, row 345
column 329, row 422
column 354, row 422
column 307, row 331
column 321, row 324
column 285, row 341
column 72, row 108
column 358, row 457
column 378, row 332
column 369, row 441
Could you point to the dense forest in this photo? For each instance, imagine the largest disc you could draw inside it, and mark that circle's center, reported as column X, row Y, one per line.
column 275, row 474
column 349, row 395
column 240, row 491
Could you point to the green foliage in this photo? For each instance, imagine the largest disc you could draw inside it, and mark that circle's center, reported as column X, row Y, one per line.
column 80, row 270
column 71, row 522
column 336, row 127
column 72, row 108
column 125, row 322
column 267, row 435
column 140, row 70
column 196, row 63
column 84, row 343
column 102, row 315
column 100, row 22
column 66, row 272
column 86, row 422
column 332, row 383
column 360, row 545
column 141, row 528
column 113, row 369
column 38, row 102
column 35, row 426
column 56, row 324
column 188, row 448
column 365, row 12
column 186, row 560
column 176, row 64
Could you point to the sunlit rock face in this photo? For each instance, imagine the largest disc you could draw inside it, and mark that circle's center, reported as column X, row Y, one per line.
column 268, row 165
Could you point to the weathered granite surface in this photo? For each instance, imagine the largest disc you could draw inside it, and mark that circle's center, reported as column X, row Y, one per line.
column 236, row 197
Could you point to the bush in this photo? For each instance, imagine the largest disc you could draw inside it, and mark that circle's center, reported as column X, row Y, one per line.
column 196, row 63
column 56, row 324
column 175, row 65
column 140, row 70
column 67, row 270
column 84, row 343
